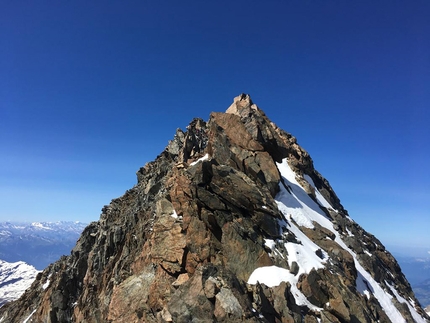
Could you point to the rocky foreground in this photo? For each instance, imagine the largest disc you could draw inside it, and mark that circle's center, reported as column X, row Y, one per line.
column 230, row 223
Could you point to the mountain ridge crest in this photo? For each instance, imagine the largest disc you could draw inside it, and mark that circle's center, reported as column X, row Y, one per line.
column 229, row 204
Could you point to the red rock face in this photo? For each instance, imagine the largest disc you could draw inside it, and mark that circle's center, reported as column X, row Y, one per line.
column 181, row 245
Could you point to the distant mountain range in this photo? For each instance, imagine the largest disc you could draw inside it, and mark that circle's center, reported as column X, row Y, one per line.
column 26, row 248
column 417, row 271
column 38, row 243
column 422, row 292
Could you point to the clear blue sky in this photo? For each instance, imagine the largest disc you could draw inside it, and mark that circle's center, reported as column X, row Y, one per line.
column 92, row 90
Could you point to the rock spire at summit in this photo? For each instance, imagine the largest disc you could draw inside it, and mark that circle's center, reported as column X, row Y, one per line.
column 240, row 102
column 230, row 223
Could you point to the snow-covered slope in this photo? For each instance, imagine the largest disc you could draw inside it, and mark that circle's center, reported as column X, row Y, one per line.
column 299, row 211
column 38, row 243
column 15, row 278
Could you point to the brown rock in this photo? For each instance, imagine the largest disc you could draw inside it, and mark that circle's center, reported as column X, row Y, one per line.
column 314, row 288
column 235, row 131
column 227, row 305
column 337, row 306
column 211, row 287
column 182, row 278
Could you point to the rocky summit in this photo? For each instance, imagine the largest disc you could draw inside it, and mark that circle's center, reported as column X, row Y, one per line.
column 230, row 223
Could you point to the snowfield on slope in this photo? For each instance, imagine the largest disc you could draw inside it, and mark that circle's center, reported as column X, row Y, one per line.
column 295, row 204
column 272, row 276
column 15, row 278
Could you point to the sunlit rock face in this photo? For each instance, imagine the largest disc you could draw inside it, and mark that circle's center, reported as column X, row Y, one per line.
column 230, row 223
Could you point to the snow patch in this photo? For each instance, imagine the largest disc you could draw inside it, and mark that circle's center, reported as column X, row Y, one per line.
column 418, row 318
column 304, row 255
column 321, row 199
column 15, row 278
column 46, row 284
column 31, row 314
column 40, row 226
column 269, row 243
column 205, row 157
column 363, row 286
column 174, row 214
column 272, row 276
column 296, row 202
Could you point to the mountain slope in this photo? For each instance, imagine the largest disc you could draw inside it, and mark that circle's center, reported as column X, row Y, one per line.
column 230, row 223
column 15, row 278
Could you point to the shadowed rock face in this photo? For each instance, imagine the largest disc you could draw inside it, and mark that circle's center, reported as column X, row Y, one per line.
column 181, row 245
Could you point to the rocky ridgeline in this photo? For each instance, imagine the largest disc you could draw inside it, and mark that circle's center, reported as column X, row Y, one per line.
column 184, row 243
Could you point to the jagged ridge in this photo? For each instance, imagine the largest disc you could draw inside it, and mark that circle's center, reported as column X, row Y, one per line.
column 225, row 201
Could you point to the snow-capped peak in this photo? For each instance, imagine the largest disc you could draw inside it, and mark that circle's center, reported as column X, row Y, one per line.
column 40, row 226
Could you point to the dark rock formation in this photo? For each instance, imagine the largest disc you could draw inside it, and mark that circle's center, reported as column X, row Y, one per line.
column 205, row 216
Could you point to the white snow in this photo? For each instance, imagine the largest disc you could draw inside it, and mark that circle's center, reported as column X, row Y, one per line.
column 205, row 157
column 414, row 313
column 46, row 284
column 296, row 202
column 296, row 205
column 174, row 214
column 304, row 255
column 15, row 278
column 40, row 226
column 31, row 314
column 269, row 243
column 362, row 286
column 272, row 276
column 321, row 200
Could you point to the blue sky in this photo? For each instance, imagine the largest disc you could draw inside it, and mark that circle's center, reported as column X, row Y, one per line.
column 91, row 91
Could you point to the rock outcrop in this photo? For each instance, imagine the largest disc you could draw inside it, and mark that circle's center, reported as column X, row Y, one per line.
column 230, row 223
